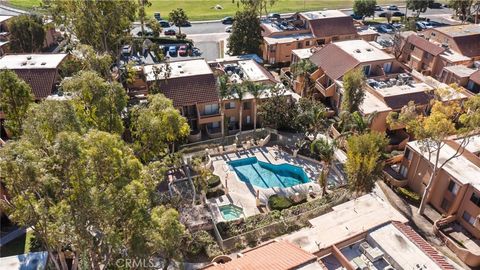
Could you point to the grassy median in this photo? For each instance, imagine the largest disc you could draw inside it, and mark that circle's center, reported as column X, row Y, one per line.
column 204, row 9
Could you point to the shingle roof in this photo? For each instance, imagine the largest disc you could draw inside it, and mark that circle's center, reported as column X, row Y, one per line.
column 334, row 61
column 475, row 77
column 275, row 255
column 334, row 26
column 40, row 80
column 425, row 45
column 468, row 45
column 190, row 90
column 398, row 101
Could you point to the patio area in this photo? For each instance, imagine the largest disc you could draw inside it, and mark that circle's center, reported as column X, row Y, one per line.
column 462, row 237
column 244, row 194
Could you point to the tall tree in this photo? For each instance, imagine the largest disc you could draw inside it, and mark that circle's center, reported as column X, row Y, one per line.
column 353, row 95
column 156, row 126
column 325, row 151
column 364, row 164
column 238, row 93
column 364, row 8
column 256, row 90
column 142, row 4
column 84, row 57
column 27, row 34
column 179, row 18
column 102, row 24
column 432, row 131
column 258, row 6
column 301, row 70
column 246, row 36
column 15, row 98
column 98, row 102
column 223, row 93
column 418, row 6
column 312, row 116
column 278, row 111
column 461, row 7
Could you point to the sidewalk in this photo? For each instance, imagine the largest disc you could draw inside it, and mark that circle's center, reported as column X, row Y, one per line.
column 420, row 224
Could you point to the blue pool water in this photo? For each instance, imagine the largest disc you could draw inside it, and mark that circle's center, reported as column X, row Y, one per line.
column 266, row 175
column 230, row 211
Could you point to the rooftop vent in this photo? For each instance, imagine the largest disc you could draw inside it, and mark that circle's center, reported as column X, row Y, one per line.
column 24, row 63
column 32, row 63
column 44, row 63
column 29, row 57
column 357, row 51
column 369, row 50
column 444, row 45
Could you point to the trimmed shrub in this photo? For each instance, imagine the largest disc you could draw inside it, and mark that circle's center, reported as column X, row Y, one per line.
column 215, row 193
column 213, row 181
column 277, row 202
column 409, row 194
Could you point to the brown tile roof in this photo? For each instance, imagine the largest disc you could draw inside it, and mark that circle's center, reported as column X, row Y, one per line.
column 334, row 61
column 425, row 45
column 475, row 77
column 468, row 45
column 335, row 26
column 190, row 90
column 398, row 101
column 40, row 80
column 274, row 255
column 423, row 245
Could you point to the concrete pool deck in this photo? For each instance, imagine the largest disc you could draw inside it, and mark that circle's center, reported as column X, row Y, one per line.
column 244, row 194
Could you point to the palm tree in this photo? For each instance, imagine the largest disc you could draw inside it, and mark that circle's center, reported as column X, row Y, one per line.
column 325, row 151
column 223, row 93
column 238, row 92
column 301, row 69
column 361, row 124
column 256, row 90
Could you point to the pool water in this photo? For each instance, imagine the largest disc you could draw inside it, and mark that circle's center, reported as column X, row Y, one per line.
column 266, row 175
column 230, row 211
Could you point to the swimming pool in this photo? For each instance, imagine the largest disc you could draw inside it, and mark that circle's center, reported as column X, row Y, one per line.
column 267, row 175
column 231, row 211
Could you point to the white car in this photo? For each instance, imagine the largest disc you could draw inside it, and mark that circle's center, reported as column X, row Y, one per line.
column 228, row 29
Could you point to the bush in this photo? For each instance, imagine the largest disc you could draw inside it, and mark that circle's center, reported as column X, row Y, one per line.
column 215, row 193
column 213, row 181
column 277, row 202
column 409, row 194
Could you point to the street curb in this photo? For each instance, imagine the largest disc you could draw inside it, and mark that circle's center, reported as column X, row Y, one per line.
column 2, row 6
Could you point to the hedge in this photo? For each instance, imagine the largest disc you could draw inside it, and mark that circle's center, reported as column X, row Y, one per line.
column 215, row 193
column 409, row 194
column 278, row 202
column 213, row 181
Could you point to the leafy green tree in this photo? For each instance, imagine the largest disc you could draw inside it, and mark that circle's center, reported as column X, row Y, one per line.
column 325, row 150
column 256, row 90
column 311, row 117
column 84, row 57
column 301, row 70
column 155, row 26
column 223, row 93
column 432, row 131
column 364, row 8
column 364, row 160
column 156, row 126
column 98, row 103
column 104, row 25
column 278, row 111
column 259, row 6
column 168, row 234
column 178, row 17
column 27, row 34
column 461, row 8
column 353, row 95
column 15, row 98
column 418, row 6
column 142, row 4
column 246, row 36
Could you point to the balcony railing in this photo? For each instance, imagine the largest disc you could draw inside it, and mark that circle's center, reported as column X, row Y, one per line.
column 327, row 91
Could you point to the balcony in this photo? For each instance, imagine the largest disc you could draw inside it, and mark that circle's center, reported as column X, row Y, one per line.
column 322, row 87
column 458, row 240
column 391, row 174
column 204, row 118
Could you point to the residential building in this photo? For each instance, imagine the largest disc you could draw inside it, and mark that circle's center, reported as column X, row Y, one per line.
column 454, row 195
column 40, row 71
column 463, row 39
column 306, row 30
column 474, row 82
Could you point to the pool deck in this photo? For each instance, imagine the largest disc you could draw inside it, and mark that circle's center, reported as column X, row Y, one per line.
column 243, row 194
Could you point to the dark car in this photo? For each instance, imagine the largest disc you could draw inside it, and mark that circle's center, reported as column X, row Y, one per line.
column 356, row 17
column 145, row 33
column 274, row 16
column 169, row 32
column 398, row 14
column 172, row 51
column 228, row 20
column 164, row 23
column 185, row 24
column 378, row 8
column 383, row 14
column 434, row 5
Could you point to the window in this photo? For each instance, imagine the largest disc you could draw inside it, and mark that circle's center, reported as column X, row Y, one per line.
column 468, row 218
column 470, row 85
column 424, row 66
column 475, row 199
column 299, row 45
column 321, row 41
column 307, row 43
column 433, row 34
column 445, row 205
column 453, row 187
column 427, row 55
column 412, row 47
column 273, row 48
column 366, row 70
column 249, row 120
column 247, row 105
column 213, row 125
column 404, row 171
column 408, row 154
column 211, row 109
column 230, row 105
column 231, row 119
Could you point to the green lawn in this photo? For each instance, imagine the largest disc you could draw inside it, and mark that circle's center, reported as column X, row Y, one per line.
column 203, row 9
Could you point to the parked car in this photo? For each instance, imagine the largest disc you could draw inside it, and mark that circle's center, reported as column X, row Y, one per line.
column 228, row 20
column 378, row 8
column 392, row 7
column 169, row 32
column 383, row 14
column 164, row 23
column 228, row 29
column 427, row 25
column 157, row 16
column 146, row 33
column 397, row 25
column 384, row 29
column 183, row 50
column 274, row 16
column 126, row 50
column 434, row 5
column 196, row 51
column 172, row 51
column 356, row 17
column 398, row 14
column 185, row 24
